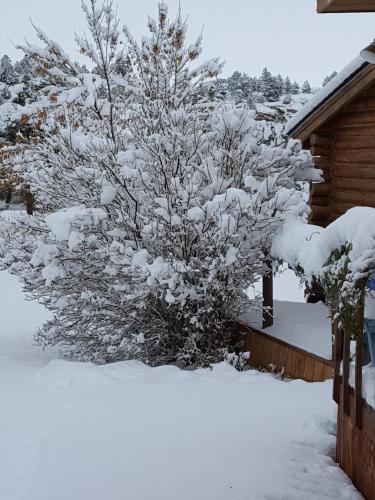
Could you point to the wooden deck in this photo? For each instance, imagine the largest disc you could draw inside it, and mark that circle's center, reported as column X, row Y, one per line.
column 271, row 354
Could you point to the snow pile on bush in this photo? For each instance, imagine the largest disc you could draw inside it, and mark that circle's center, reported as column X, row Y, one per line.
column 156, row 204
column 310, row 247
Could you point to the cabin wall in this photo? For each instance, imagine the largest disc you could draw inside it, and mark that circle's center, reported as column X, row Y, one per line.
column 345, row 150
column 321, row 148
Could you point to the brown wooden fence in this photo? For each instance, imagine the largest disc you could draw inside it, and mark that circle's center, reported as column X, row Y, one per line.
column 355, row 452
column 271, row 354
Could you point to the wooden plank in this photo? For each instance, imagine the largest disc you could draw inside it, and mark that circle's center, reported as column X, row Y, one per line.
column 268, row 297
column 299, row 365
column 354, row 155
column 344, row 6
column 309, row 370
column 319, row 139
column 364, row 103
column 320, row 189
column 358, row 362
column 291, row 363
column 353, row 169
column 356, row 118
column 318, row 372
column 319, row 201
column 353, row 183
column 320, row 212
column 322, row 162
column 354, row 143
column 338, row 346
column 353, row 197
column 348, row 132
column 345, row 372
column 320, row 150
column 358, row 382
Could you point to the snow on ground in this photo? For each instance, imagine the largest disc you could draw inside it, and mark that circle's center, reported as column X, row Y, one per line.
column 72, row 431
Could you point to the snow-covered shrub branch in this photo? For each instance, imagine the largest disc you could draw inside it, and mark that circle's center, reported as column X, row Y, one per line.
column 341, row 256
column 156, row 204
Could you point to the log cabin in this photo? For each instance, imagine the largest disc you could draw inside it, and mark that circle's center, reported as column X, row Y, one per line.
column 338, row 127
column 330, row 6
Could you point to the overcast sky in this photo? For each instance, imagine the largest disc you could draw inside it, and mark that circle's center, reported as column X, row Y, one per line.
column 287, row 36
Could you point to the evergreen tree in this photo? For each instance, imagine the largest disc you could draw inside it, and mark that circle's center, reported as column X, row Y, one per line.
column 306, row 88
column 269, row 86
column 5, row 94
column 280, row 84
column 7, row 72
column 328, row 78
column 295, row 89
column 22, row 67
column 287, row 89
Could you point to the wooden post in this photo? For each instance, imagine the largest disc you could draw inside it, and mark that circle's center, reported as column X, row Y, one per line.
column 338, row 336
column 268, row 297
column 29, row 202
column 358, row 383
column 358, row 363
column 345, row 373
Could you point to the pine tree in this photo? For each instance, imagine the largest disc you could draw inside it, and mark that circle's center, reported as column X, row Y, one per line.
column 295, row 88
column 5, row 94
column 269, row 86
column 306, row 88
column 22, row 67
column 328, row 78
column 7, row 73
column 287, row 89
column 280, row 84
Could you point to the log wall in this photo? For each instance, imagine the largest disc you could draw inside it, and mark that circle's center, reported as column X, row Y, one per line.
column 321, row 146
column 270, row 354
column 345, row 150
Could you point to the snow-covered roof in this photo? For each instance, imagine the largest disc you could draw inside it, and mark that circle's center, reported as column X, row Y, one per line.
column 330, row 91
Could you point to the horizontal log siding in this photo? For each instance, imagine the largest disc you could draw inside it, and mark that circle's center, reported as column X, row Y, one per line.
column 352, row 179
column 320, row 148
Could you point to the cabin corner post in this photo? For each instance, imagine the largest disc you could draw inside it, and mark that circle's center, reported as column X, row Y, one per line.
column 267, row 286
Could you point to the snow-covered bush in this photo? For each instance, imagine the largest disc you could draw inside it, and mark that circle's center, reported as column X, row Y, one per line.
column 156, row 205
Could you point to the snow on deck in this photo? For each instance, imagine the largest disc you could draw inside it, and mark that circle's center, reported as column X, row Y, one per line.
column 78, row 431
column 302, row 325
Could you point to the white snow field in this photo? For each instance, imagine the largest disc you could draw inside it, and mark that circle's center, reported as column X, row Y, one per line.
column 72, row 431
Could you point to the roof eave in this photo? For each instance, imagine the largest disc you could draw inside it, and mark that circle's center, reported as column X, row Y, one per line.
column 334, row 103
column 345, row 6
